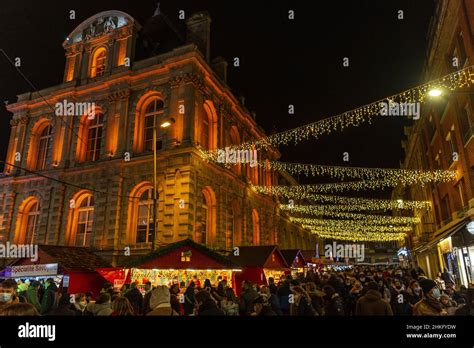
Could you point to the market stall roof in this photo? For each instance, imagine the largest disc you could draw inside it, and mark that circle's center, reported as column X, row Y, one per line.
column 267, row 256
column 294, row 257
column 67, row 257
column 184, row 254
column 308, row 255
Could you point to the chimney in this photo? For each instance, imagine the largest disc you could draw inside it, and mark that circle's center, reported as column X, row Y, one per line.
column 219, row 64
column 198, row 31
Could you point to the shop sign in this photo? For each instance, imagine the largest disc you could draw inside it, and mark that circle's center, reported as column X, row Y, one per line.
column 32, row 270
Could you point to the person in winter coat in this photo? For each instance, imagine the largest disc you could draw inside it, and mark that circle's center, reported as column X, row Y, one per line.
column 102, row 307
column 372, row 302
column 333, row 305
column 189, row 299
column 317, row 298
column 64, row 306
column 50, row 298
column 262, row 307
column 272, row 299
column 414, row 294
column 399, row 298
column 121, row 307
column 175, row 299
column 283, row 294
column 429, row 305
column 354, row 294
column 206, row 306
column 160, row 302
column 468, row 308
column 146, row 298
column 301, row 304
column 31, row 295
column 448, row 304
column 248, row 295
column 229, row 303
column 136, row 298
column 272, row 286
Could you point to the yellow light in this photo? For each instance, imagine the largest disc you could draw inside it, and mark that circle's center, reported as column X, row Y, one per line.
column 435, row 92
column 165, row 124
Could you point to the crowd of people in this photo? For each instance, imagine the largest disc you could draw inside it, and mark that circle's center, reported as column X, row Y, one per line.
column 357, row 291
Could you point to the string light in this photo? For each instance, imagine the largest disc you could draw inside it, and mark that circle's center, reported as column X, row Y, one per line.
column 357, row 236
column 364, row 114
column 352, row 225
column 379, row 219
column 393, row 176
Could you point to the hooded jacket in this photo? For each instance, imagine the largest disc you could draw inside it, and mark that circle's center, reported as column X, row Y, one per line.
column 372, row 304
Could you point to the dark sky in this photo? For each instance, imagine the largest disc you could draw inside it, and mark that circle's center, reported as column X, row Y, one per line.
column 282, row 62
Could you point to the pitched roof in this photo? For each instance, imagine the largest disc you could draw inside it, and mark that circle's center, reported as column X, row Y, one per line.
column 72, row 257
column 255, row 256
column 291, row 254
column 224, row 261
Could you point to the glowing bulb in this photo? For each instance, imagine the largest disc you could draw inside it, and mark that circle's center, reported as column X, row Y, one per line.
column 435, row 92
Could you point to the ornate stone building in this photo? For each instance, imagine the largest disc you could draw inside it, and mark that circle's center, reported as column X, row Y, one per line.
column 443, row 138
column 87, row 179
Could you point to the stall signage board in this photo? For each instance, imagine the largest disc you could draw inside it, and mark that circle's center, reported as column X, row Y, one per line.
column 33, row 270
column 446, row 246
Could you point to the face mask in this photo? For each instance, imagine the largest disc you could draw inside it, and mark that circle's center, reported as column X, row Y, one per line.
column 417, row 290
column 5, row 297
column 362, row 279
column 83, row 304
column 436, row 293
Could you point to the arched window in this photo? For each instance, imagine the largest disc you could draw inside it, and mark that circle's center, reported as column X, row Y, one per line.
column 256, row 227
column 207, row 230
column 144, row 223
column 209, row 127
column 43, row 146
column 152, row 113
column 28, row 221
column 94, row 137
column 81, row 219
column 41, row 138
column 99, row 60
column 204, row 220
column 85, row 219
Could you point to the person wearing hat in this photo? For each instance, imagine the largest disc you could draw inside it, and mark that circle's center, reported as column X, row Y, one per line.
column 262, row 307
column 160, row 302
column 430, row 304
column 32, row 295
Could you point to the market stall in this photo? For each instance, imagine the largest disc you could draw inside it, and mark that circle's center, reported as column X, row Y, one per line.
column 181, row 263
column 295, row 259
column 70, row 267
column 258, row 264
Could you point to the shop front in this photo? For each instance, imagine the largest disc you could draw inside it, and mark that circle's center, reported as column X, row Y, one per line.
column 180, row 263
column 259, row 263
column 458, row 254
column 295, row 259
column 72, row 268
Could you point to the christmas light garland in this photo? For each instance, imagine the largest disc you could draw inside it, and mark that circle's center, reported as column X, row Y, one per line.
column 394, row 176
column 379, row 219
column 356, row 236
column 353, row 118
column 352, row 225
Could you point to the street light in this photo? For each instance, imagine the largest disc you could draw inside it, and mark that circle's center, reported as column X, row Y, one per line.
column 435, row 92
column 167, row 122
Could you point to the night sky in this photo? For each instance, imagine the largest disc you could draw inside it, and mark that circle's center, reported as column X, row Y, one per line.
column 283, row 62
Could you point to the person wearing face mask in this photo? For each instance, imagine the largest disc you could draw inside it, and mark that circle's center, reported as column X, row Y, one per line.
column 79, row 305
column 7, row 294
column 399, row 298
column 414, row 294
column 429, row 305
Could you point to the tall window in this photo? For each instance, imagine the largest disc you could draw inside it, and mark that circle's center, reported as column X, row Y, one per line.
column 230, row 234
column 204, row 220
column 85, row 219
column 94, row 137
column 32, row 223
column 99, row 61
column 145, row 225
column 205, row 134
column 43, row 145
column 256, row 227
column 153, row 110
